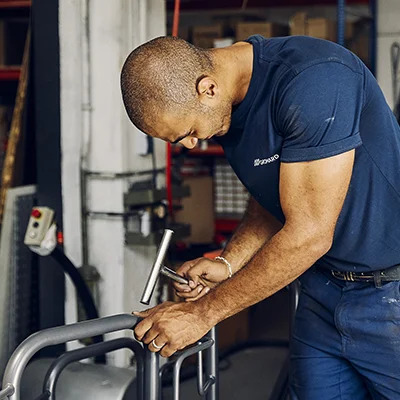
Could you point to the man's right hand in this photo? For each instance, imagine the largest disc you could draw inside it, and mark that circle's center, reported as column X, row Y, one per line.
column 203, row 274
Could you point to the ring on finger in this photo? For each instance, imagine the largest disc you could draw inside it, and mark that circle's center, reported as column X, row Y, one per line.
column 155, row 345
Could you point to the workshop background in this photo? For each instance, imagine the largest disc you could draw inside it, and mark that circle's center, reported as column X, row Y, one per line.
column 66, row 143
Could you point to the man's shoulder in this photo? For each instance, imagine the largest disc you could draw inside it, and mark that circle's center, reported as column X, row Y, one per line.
column 298, row 53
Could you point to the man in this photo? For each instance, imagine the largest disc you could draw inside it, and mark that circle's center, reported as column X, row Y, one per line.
column 306, row 128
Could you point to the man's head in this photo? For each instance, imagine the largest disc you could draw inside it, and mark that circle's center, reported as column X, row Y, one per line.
column 170, row 91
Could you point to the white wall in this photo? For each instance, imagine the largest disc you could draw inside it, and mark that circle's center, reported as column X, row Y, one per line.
column 116, row 27
column 388, row 32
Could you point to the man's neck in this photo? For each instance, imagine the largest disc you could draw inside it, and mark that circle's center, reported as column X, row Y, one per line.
column 235, row 67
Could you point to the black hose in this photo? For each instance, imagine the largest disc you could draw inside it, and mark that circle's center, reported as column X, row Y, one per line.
column 83, row 292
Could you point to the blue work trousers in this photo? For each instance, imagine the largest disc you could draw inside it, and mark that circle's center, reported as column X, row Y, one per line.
column 346, row 340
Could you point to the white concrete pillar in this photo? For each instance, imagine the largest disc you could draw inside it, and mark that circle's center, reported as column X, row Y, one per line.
column 116, row 27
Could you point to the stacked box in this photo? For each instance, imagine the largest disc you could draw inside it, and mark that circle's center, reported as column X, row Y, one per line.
column 266, row 29
column 230, row 196
column 204, row 36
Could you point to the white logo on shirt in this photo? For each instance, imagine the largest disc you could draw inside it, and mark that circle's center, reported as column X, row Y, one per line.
column 264, row 161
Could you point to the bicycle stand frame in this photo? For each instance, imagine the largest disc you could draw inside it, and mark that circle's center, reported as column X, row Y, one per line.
column 149, row 373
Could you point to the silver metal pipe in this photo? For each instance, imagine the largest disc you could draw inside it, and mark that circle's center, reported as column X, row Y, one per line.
column 181, row 356
column 202, row 387
column 212, row 366
column 7, row 391
column 173, row 275
column 152, row 386
column 155, row 271
column 62, row 334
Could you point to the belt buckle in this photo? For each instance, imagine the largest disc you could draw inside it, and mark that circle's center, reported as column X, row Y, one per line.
column 344, row 275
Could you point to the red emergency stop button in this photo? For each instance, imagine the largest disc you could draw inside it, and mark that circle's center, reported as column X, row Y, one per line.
column 36, row 213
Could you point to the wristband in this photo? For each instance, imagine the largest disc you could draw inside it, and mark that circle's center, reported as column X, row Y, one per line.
column 227, row 263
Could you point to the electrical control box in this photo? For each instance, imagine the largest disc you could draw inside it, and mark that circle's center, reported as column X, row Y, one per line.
column 39, row 223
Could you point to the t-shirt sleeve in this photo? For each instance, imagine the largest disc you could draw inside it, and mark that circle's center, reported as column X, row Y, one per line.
column 318, row 113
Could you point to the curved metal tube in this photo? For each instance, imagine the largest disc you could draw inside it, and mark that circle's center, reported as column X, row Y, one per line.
column 202, row 387
column 56, row 368
column 62, row 334
column 182, row 356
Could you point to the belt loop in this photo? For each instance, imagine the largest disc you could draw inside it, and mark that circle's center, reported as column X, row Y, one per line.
column 377, row 279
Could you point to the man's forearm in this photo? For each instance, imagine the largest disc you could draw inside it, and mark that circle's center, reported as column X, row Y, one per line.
column 280, row 261
column 256, row 228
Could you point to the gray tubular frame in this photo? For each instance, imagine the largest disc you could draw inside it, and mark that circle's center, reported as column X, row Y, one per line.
column 209, row 389
column 151, row 377
column 62, row 334
column 56, row 368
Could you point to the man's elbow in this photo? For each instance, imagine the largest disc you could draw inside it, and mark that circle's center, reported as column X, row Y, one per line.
column 313, row 239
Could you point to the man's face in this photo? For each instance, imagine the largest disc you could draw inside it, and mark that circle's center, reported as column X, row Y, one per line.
column 199, row 123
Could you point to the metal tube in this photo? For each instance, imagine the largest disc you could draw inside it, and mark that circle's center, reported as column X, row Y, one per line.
column 155, row 271
column 212, row 366
column 56, row 368
column 202, row 387
column 122, row 175
column 62, row 334
column 151, row 375
column 7, row 391
column 173, row 275
column 177, row 371
column 182, row 355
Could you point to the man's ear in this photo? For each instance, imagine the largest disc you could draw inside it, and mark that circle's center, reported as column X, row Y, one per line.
column 206, row 86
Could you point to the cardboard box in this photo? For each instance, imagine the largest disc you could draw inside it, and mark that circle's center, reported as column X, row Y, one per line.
column 198, row 210
column 203, row 36
column 266, row 29
column 321, row 28
column 298, row 24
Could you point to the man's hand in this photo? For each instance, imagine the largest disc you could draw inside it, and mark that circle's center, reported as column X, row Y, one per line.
column 172, row 326
column 203, row 274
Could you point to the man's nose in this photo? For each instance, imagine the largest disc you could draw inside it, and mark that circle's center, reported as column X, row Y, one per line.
column 189, row 142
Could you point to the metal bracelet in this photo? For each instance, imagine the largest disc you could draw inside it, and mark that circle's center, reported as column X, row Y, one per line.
column 227, row 263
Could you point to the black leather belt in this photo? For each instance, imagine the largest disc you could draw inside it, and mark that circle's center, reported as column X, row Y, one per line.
column 385, row 275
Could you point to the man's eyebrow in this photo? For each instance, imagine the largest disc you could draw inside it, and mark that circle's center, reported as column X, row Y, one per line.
column 180, row 138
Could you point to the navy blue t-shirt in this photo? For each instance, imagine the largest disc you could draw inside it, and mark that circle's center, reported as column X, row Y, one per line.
column 310, row 99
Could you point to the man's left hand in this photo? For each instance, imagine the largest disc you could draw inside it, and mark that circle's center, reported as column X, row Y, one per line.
column 171, row 326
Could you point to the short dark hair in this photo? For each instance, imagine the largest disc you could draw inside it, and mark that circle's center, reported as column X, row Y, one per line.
column 160, row 75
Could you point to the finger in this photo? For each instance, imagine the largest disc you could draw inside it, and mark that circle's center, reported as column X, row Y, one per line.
column 142, row 327
column 157, row 344
column 192, row 293
column 181, row 287
column 186, row 266
column 201, row 294
column 150, row 335
column 142, row 314
column 167, row 351
column 194, row 274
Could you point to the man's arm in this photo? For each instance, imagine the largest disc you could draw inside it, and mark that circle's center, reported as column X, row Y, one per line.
column 312, row 196
column 257, row 227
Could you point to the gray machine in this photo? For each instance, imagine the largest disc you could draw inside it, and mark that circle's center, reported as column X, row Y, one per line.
column 103, row 382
